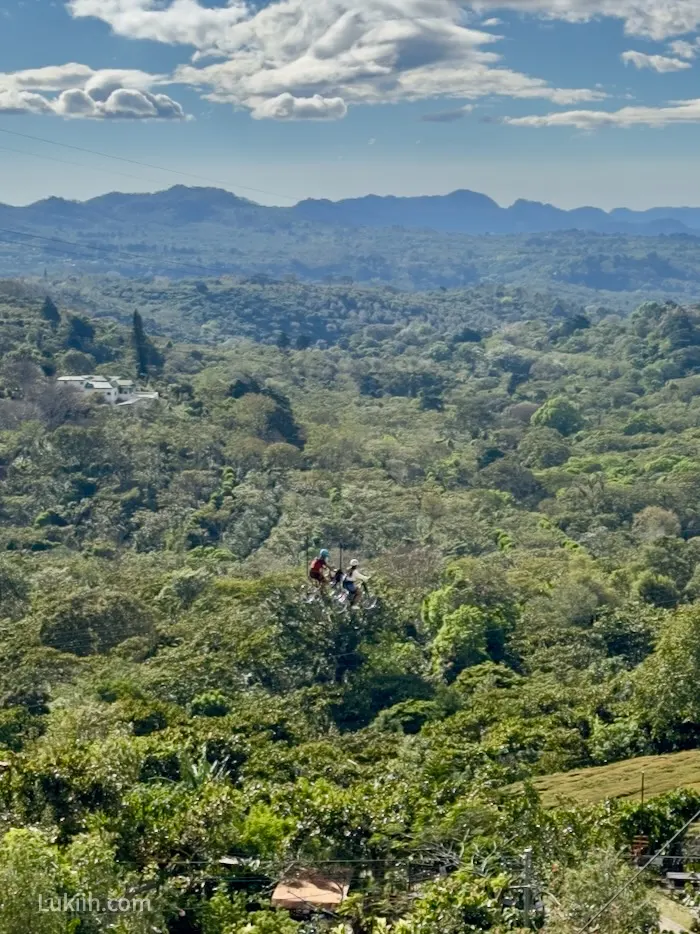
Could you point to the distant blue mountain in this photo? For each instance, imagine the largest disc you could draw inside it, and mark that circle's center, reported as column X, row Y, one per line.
column 472, row 213
column 462, row 211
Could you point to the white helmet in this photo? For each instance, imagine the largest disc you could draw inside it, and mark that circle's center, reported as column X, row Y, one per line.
column 354, row 563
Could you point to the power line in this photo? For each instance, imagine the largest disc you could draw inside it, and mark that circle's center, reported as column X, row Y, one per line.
column 136, row 258
column 636, row 876
column 147, row 165
column 63, row 252
column 414, row 866
column 79, row 165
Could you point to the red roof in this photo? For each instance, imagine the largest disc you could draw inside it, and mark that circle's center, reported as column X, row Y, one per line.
column 307, row 891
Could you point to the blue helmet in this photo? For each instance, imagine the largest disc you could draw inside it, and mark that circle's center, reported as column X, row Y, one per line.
column 325, row 553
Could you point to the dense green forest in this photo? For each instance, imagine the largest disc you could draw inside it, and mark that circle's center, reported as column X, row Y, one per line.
column 268, row 310
column 522, row 488
column 180, row 234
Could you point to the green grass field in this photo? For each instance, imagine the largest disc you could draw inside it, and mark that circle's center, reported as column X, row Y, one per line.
column 674, row 912
column 623, row 779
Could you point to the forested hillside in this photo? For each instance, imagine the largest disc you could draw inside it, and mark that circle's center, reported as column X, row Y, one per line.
column 462, row 211
column 523, row 494
column 301, row 314
column 201, row 232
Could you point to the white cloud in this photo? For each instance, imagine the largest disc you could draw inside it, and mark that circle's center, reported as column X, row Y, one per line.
column 684, row 49
column 131, row 104
column 73, row 75
column 187, row 22
column 311, row 59
column 51, row 78
column 181, row 22
column 288, row 107
column 74, row 90
column 492, row 22
column 23, row 102
column 660, row 63
column 653, row 19
column 676, row 112
column 75, row 103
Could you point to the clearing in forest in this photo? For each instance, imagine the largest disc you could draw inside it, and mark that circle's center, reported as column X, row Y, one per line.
column 623, row 779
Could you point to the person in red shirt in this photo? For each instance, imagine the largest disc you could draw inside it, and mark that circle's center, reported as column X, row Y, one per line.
column 320, row 570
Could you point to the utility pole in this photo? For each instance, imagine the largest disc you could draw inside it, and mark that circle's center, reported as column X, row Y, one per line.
column 527, row 888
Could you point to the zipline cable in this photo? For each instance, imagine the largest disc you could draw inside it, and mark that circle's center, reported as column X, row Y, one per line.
column 633, row 879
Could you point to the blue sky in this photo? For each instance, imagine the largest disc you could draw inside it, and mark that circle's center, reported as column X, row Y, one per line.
column 568, row 101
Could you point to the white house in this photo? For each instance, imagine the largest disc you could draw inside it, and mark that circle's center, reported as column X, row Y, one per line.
column 112, row 389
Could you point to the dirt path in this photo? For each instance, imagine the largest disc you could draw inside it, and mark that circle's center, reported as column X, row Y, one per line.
column 665, row 924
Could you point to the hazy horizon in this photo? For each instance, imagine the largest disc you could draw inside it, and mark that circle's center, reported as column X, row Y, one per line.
column 570, row 102
column 529, row 192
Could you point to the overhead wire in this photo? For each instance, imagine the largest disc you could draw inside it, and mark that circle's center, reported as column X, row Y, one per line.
column 79, row 165
column 136, row 258
column 58, row 251
column 611, row 901
column 396, row 860
column 81, row 642
column 147, row 165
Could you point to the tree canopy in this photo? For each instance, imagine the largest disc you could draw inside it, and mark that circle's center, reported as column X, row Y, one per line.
column 178, row 721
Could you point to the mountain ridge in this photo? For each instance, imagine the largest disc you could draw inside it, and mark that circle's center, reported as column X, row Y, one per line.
column 442, row 212
column 461, row 211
